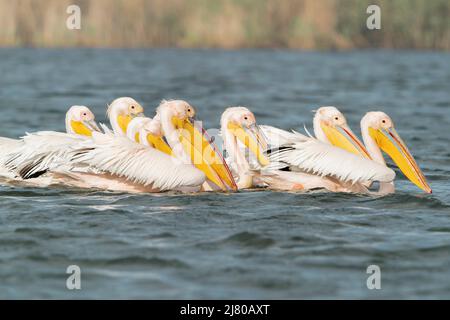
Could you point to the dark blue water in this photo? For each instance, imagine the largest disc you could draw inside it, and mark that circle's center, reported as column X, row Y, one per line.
column 245, row 245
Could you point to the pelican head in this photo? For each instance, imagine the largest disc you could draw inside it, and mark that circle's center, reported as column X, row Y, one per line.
column 331, row 126
column 121, row 111
column 80, row 120
column 379, row 133
column 240, row 123
column 177, row 112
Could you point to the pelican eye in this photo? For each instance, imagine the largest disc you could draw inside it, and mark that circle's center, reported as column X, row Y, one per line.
column 84, row 114
column 336, row 118
column 245, row 118
column 384, row 121
column 132, row 107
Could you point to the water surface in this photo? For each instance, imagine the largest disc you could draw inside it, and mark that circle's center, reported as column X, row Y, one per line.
column 256, row 244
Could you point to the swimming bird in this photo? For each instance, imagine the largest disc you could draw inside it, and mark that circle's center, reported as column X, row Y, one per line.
column 379, row 134
column 202, row 153
column 111, row 161
column 148, row 166
column 40, row 151
column 240, row 133
column 30, row 156
column 37, row 153
column 189, row 142
column 297, row 162
column 330, row 126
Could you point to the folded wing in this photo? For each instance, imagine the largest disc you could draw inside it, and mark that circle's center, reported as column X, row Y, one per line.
column 313, row 156
column 135, row 162
column 37, row 151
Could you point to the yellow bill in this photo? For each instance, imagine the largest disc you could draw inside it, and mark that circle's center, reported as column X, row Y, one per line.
column 391, row 143
column 344, row 138
column 208, row 154
column 201, row 164
column 203, row 155
column 84, row 128
column 255, row 145
column 159, row 143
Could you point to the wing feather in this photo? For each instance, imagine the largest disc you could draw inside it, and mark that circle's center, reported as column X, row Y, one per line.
column 38, row 151
column 322, row 159
column 135, row 162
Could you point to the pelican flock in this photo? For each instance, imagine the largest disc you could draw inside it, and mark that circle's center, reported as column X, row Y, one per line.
column 173, row 152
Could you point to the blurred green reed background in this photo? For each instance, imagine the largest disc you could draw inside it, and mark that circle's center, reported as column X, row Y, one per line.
column 302, row 24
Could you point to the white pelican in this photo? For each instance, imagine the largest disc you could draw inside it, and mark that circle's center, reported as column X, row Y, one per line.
column 239, row 132
column 31, row 155
column 379, row 133
column 330, row 126
column 189, row 143
column 38, row 151
column 114, row 162
column 185, row 140
column 103, row 161
column 311, row 163
column 149, row 132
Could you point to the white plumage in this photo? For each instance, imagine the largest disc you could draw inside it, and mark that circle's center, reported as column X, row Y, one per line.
column 318, row 158
column 310, row 155
column 36, row 152
column 67, row 155
column 7, row 144
column 32, row 155
column 135, row 162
